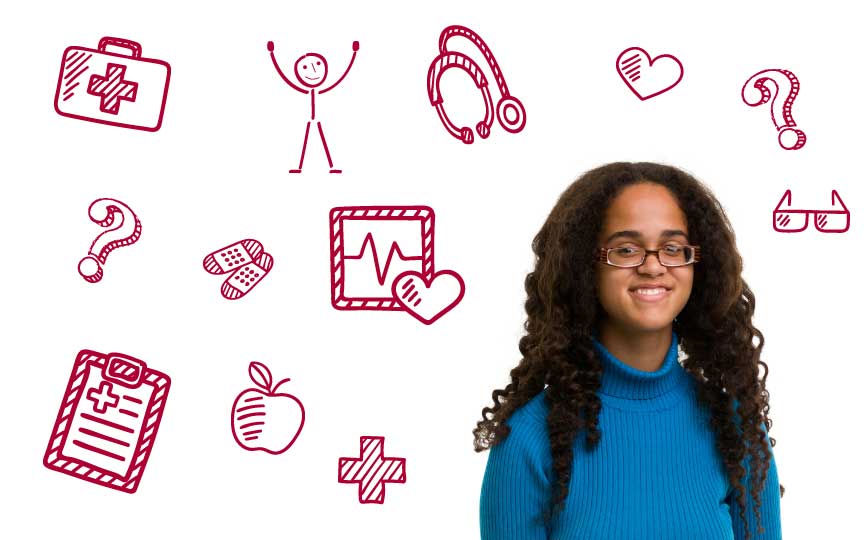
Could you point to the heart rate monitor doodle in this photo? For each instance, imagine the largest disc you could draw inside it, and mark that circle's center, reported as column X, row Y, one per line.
column 363, row 279
column 108, row 420
column 123, row 229
column 124, row 90
column 782, row 93
column 647, row 77
column 263, row 418
column 311, row 72
column 509, row 110
column 371, row 470
column 792, row 220
column 245, row 261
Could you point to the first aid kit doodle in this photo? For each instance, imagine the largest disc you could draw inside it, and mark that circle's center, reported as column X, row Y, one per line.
column 118, row 89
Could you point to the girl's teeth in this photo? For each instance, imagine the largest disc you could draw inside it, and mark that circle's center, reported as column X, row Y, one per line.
column 649, row 292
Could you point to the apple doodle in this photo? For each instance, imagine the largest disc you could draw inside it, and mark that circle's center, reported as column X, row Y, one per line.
column 263, row 418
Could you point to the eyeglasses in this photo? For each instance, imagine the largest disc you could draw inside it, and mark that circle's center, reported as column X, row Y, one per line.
column 789, row 220
column 629, row 257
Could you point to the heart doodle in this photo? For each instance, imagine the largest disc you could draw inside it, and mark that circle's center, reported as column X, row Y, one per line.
column 646, row 77
column 428, row 300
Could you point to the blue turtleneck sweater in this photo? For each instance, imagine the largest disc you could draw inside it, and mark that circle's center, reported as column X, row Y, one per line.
column 655, row 475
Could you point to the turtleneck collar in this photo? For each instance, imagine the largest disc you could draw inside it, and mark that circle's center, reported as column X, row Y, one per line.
column 622, row 381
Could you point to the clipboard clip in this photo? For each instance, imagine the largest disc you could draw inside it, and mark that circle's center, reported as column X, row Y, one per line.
column 125, row 370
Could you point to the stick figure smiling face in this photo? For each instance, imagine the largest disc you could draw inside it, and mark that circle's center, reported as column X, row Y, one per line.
column 311, row 69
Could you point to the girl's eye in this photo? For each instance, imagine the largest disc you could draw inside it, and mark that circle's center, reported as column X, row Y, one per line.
column 673, row 250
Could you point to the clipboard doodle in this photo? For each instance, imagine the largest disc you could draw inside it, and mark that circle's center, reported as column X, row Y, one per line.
column 108, row 420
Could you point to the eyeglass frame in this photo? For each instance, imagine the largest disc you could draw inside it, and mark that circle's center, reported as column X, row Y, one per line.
column 603, row 256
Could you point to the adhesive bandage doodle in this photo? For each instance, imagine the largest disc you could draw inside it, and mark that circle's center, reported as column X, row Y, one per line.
column 124, row 90
column 123, row 229
column 246, row 264
column 311, row 72
column 781, row 87
column 108, row 420
column 371, row 470
column 509, row 110
column 264, row 418
column 792, row 220
column 647, row 77
column 363, row 277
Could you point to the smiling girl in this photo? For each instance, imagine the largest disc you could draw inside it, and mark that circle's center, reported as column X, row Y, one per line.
column 606, row 430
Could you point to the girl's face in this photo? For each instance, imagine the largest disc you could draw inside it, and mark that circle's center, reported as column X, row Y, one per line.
column 643, row 215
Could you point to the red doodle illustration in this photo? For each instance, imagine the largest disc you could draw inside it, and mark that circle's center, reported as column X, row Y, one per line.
column 364, row 278
column 782, row 92
column 245, row 261
column 509, row 110
column 371, row 470
column 125, row 90
column 311, row 72
column 791, row 220
column 647, row 77
column 123, row 229
column 108, row 420
column 428, row 299
column 263, row 418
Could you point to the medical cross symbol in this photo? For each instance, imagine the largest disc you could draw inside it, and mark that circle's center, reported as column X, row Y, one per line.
column 372, row 470
column 112, row 88
column 103, row 398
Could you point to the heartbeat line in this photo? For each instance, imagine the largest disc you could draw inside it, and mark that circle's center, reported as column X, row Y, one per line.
column 369, row 242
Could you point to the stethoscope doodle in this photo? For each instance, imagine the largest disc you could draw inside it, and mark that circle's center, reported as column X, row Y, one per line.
column 507, row 106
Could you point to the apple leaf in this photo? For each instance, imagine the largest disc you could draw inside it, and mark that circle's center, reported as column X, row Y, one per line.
column 280, row 383
column 260, row 375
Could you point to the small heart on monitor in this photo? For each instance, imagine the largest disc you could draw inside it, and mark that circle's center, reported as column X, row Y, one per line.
column 428, row 300
column 646, row 77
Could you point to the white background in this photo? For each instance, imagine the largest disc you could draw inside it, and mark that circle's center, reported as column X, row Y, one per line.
column 217, row 172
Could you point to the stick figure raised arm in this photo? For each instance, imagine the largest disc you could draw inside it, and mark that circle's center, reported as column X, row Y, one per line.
column 355, row 47
column 281, row 74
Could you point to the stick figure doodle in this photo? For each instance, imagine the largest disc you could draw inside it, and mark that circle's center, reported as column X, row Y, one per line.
column 311, row 71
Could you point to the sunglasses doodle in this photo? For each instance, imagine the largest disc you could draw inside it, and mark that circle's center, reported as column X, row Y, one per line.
column 791, row 220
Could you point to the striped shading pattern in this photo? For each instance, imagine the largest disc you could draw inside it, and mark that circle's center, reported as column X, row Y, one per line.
column 338, row 218
column 54, row 459
column 75, row 64
column 112, row 88
column 371, row 470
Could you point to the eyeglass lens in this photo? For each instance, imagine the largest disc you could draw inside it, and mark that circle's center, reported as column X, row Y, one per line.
column 669, row 256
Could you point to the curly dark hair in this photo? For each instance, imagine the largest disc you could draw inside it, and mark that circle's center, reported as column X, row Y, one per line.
column 715, row 330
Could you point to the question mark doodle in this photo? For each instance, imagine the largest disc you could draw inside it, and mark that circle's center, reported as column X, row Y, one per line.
column 121, row 232
column 786, row 84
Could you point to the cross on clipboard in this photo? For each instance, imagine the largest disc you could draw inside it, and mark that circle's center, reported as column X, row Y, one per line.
column 108, row 420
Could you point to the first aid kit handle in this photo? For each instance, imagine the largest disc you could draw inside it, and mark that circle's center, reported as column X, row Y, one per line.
column 134, row 46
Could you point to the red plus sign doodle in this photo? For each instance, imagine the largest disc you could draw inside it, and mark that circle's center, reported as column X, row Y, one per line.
column 112, row 88
column 103, row 398
column 372, row 470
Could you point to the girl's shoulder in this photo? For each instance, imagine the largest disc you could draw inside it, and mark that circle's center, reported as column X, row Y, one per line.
column 532, row 415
